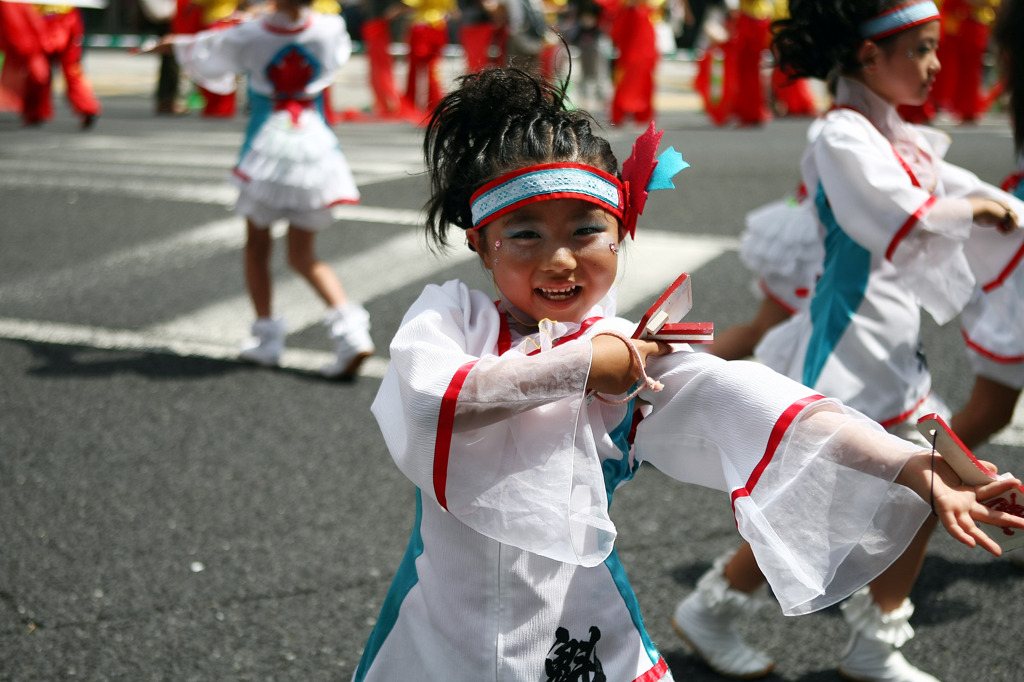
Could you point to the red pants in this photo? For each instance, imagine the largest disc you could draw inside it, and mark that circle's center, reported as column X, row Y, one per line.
column 377, row 38
column 476, row 42
column 423, row 86
column 794, row 97
column 633, row 34
column 963, row 64
column 715, row 81
column 751, row 39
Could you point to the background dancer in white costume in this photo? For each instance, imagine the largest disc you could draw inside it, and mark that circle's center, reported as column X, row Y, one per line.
column 993, row 322
column 291, row 166
column 503, row 415
column 895, row 218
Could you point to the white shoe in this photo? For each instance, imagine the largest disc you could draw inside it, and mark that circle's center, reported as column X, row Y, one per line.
column 870, row 660
column 349, row 327
column 704, row 620
column 266, row 344
column 873, row 652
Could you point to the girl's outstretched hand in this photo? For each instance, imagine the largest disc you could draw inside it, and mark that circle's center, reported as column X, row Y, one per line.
column 613, row 370
column 164, row 46
column 959, row 507
column 995, row 213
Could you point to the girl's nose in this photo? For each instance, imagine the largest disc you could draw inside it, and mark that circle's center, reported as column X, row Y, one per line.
column 562, row 258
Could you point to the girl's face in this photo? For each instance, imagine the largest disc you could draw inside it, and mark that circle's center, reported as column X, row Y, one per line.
column 904, row 71
column 551, row 259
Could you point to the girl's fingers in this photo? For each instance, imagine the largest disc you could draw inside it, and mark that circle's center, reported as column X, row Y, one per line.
column 995, row 488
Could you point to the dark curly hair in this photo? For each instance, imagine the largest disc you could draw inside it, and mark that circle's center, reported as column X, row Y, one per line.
column 495, row 121
column 822, row 35
column 1007, row 36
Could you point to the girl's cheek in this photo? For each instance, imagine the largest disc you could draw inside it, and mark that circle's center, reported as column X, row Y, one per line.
column 513, row 249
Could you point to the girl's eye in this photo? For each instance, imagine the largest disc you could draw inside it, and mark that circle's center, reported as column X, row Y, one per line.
column 591, row 229
column 922, row 51
column 522, row 234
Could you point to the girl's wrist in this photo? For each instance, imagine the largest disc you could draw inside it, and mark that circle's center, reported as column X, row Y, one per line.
column 917, row 474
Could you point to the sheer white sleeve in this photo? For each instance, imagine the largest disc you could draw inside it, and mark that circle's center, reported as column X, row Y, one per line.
column 811, row 481
column 211, row 58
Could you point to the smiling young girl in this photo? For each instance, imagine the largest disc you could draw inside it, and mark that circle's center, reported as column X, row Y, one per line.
column 894, row 218
column 511, row 573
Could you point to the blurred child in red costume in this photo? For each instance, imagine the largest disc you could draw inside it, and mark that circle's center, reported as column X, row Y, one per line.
column 633, row 34
column 428, row 34
column 33, row 38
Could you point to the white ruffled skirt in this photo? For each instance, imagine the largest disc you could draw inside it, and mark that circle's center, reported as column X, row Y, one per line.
column 296, row 165
column 782, row 246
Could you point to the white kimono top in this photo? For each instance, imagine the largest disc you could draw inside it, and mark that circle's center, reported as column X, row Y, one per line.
column 894, row 219
column 511, row 574
column 291, row 159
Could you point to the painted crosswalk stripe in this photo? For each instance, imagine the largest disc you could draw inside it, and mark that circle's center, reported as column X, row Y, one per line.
column 214, row 330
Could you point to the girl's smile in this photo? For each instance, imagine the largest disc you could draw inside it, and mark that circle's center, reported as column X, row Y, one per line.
column 551, row 259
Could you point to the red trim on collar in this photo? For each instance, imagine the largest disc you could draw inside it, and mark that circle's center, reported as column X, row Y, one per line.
column 584, row 326
column 283, row 31
column 505, row 333
column 906, row 166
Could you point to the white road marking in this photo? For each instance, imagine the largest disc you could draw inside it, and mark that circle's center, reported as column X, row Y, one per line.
column 215, row 330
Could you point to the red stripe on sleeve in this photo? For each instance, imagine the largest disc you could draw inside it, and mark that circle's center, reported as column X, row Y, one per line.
column 908, row 226
column 443, row 442
column 984, row 352
column 778, row 431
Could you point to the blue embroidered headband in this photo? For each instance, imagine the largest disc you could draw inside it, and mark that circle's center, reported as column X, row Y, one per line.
column 544, row 182
column 624, row 199
column 899, row 19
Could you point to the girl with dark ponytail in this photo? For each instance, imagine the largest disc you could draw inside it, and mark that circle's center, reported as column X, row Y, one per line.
column 902, row 229
column 500, row 412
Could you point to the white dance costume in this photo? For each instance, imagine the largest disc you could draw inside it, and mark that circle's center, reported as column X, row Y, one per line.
column 993, row 321
column 895, row 218
column 511, row 575
column 291, row 161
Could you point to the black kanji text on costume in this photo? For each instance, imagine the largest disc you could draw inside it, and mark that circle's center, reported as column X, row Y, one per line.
column 573, row 660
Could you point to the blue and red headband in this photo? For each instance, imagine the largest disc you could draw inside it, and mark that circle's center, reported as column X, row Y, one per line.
column 899, row 19
column 625, row 199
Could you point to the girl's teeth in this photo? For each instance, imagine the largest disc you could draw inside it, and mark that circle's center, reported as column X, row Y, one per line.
column 558, row 293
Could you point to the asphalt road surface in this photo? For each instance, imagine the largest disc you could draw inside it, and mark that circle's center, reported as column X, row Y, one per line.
column 168, row 513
